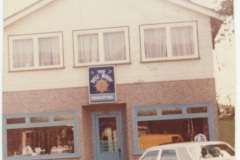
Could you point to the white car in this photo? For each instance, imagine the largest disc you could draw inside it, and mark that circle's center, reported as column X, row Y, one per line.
column 211, row 150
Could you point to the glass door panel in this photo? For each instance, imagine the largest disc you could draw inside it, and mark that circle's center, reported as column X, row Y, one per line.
column 107, row 136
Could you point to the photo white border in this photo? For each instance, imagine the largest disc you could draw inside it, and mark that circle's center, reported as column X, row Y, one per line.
column 237, row 65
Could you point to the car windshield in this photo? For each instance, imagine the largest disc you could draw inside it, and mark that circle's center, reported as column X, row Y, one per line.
column 211, row 151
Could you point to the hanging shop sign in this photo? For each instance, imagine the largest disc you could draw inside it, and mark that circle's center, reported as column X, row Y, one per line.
column 101, row 84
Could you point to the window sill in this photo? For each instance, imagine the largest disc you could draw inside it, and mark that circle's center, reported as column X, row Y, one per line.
column 102, row 63
column 35, row 68
column 169, row 59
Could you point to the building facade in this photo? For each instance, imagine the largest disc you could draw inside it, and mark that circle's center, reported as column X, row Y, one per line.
column 106, row 79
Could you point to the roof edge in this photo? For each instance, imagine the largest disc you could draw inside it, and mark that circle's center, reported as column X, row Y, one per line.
column 199, row 8
column 41, row 3
column 25, row 11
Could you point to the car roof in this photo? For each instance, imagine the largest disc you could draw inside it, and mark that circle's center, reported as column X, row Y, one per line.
column 184, row 144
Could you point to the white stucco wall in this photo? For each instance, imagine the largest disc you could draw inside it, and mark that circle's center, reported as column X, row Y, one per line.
column 67, row 16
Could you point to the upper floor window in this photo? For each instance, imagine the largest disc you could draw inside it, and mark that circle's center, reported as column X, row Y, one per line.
column 169, row 41
column 101, row 46
column 38, row 51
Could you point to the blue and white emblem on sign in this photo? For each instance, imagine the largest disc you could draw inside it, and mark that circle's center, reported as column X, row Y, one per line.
column 102, row 84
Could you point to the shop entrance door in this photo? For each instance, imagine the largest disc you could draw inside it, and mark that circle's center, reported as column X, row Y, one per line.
column 107, row 132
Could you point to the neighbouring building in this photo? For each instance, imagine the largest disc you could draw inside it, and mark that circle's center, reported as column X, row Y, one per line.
column 98, row 80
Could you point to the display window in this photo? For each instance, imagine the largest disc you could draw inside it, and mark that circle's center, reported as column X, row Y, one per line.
column 41, row 136
column 158, row 132
column 159, row 125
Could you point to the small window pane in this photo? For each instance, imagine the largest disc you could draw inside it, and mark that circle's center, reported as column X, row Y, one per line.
column 197, row 110
column 147, row 113
column 23, row 53
column 15, row 120
column 88, row 50
column 151, row 155
column 155, row 43
column 39, row 119
column 108, row 135
column 40, row 141
column 49, row 51
column 64, row 117
column 172, row 111
column 169, row 155
column 182, row 41
column 114, row 46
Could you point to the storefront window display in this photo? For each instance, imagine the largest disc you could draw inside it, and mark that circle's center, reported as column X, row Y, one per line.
column 44, row 135
column 153, row 133
column 157, row 125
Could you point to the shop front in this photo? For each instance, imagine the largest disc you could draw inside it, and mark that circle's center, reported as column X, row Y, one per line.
column 117, row 130
column 103, row 132
column 142, row 116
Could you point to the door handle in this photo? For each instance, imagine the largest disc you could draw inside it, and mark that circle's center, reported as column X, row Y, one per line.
column 119, row 153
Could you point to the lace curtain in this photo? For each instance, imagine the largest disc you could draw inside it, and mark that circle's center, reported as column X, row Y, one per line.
column 182, row 41
column 114, row 46
column 88, row 50
column 48, row 51
column 155, row 43
column 23, row 53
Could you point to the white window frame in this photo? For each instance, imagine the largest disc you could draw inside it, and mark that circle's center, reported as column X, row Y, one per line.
column 35, row 37
column 100, row 33
column 168, row 26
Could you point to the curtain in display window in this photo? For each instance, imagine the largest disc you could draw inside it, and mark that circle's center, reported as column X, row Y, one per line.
column 155, row 43
column 49, row 51
column 182, row 41
column 114, row 46
column 23, row 53
column 88, row 50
